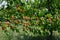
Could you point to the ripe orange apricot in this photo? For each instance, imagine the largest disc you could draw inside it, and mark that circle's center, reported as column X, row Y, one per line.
column 12, row 18
column 8, row 23
column 21, row 10
column 51, row 18
column 3, row 28
column 26, row 24
column 27, row 18
column 17, row 21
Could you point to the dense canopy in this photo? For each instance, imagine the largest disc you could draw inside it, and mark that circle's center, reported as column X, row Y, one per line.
column 31, row 17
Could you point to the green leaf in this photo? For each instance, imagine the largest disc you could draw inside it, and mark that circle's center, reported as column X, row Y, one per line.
column 48, row 15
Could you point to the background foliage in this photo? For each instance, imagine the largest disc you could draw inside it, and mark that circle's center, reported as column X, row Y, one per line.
column 30, row 19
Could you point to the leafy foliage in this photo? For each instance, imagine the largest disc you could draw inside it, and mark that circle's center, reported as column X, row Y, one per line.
column 38, row 17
